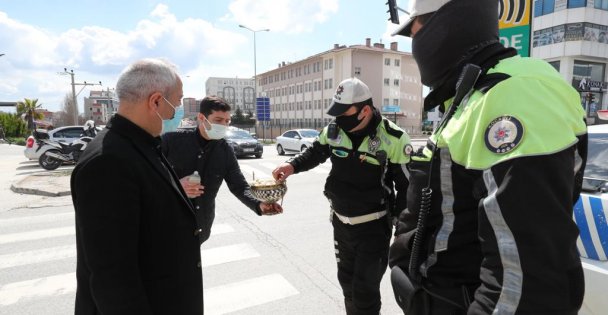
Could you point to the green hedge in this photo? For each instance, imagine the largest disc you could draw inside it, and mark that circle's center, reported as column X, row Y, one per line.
column 13, row 125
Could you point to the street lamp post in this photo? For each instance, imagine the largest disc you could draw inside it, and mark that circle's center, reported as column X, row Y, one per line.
column 255, row 78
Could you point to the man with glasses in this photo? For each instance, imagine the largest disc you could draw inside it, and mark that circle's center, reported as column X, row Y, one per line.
column 136, row 232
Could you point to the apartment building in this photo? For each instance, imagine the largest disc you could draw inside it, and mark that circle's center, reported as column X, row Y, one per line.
column 572, row 35
column 100, row 106
column 237, row 92
column 301, row 92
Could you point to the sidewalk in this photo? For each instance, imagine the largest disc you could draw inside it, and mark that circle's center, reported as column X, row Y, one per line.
column 25, row 184
column 45, row 183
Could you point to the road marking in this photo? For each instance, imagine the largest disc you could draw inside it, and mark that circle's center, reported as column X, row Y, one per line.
column 42, row 287
column 248, row 172
column 244, row 294
column 35, row 235
column 220, row 228
column 37, row 256
column 225, row 254
column 45, row 218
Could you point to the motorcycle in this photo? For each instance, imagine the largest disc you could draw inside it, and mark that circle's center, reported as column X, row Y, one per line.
column 60, row 152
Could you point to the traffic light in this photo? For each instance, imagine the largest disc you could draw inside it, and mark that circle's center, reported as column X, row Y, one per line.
column 392, row 11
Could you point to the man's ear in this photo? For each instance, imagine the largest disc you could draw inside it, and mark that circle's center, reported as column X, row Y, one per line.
column 154, row 99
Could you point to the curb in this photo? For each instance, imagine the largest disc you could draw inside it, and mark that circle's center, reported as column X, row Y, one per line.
column 51, row 184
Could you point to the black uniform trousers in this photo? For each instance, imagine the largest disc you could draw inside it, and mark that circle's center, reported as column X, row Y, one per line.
column 362, row 258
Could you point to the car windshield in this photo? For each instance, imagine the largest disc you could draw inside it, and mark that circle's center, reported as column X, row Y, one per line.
column 596, row 171
column 238, row 134
column 309, row 133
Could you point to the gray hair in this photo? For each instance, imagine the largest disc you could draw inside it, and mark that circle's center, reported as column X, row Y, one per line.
column 144, row 77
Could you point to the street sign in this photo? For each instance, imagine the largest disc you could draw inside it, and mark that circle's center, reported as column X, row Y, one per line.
column 514, row 24
column 262, row 108
column 390, row 109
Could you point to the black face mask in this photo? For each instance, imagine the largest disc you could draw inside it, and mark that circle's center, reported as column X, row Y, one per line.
column 450, row 35
column 347, row 123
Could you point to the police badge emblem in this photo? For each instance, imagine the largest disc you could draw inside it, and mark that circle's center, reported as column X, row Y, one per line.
column 373, row 144
column 503, row 134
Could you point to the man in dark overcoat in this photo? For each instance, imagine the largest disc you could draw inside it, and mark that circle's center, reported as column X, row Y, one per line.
column 136, row 231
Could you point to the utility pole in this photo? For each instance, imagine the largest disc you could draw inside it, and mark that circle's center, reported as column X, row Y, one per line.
column 74, row 95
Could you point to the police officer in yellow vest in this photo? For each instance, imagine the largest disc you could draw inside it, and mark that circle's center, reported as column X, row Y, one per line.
column 366, row 188
column 489, row 226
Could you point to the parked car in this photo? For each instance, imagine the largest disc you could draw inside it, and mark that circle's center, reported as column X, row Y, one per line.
column 243, row 143
column 65, row 134
column 296, row 140
column 590, row 214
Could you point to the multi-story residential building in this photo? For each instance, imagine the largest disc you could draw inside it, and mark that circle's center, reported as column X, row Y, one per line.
column 191, row 107
column 301, row 92
column 572, row 35
column 100, row 106
column 237, row 92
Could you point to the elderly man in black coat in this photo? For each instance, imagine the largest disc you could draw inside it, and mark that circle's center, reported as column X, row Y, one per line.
column 136, row 231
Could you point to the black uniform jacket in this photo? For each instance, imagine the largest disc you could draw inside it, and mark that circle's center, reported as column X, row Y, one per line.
column 137, row 252
column 354, row 187
column 215, row 162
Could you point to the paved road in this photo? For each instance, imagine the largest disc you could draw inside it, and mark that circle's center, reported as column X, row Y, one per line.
column 252, row 265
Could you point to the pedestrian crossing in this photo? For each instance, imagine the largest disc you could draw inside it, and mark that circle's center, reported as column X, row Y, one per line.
column 17, row 257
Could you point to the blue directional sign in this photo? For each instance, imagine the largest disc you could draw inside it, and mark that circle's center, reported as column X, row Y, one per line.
column 262, row 108
column 390, row 109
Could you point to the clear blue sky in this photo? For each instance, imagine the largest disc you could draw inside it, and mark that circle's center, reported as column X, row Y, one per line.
column 97, row 39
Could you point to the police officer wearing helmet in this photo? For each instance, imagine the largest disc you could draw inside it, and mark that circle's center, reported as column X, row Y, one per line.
column 365, row 187
column 489, row 226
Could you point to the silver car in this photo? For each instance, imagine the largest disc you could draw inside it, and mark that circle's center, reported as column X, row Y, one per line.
column 296, row 140
column 65, row 134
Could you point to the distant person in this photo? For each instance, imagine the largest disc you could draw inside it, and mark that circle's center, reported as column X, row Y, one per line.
column 204, row 150
column 136, row 233
column 365, row 187
column 488, row 227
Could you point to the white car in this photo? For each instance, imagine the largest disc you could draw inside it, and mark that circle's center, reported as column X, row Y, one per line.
column 65, row 134
column 296, row 140
column 590, row 213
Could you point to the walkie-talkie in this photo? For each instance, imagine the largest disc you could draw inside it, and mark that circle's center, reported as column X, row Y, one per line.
column 333, row 130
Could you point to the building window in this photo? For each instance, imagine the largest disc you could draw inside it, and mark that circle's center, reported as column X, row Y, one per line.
column 577, row 3
column 555, row 65
column 358, row 69
column 331, row 63
column 387, row 81
column 397, row 63
column 396, row 102
column 385, row 102
column 601, row 4
column 387, row 61
column 396, row 82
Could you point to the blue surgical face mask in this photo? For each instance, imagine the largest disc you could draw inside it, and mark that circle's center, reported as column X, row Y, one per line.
column 172, row 123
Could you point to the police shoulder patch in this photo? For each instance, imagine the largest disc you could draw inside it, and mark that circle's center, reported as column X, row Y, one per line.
column 503, row 134
column 407, row 149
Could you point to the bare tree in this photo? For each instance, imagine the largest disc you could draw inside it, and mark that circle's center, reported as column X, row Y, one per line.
column 65, row 117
